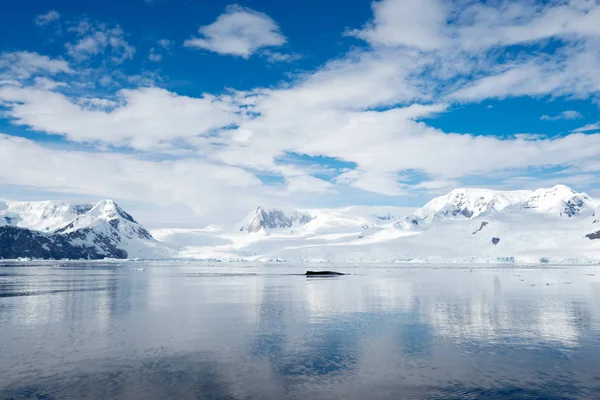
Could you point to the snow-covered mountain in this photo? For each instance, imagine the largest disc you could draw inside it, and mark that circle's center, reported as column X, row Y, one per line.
column 559, row 200
column 266, row 220
column 466, row 225
column 545, row 225
column 43, row 216
column 59, row 230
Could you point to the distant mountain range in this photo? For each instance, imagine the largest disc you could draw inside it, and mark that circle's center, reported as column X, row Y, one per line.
column 467, row 225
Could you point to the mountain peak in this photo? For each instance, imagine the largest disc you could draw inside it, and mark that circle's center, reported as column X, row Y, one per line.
column 61, row 230
column 108, row 209
column 45, row 216
column 559, row 199
column 461, row 203
column 562, row 188
column 268, row 219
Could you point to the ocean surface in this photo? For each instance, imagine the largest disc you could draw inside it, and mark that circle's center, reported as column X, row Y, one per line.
column 199, row 331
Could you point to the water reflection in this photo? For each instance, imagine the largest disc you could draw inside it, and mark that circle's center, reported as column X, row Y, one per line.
column 197, row 331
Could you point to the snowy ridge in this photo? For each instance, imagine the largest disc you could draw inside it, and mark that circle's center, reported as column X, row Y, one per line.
column 559, row 201
column 103, row 230
column 555, row 225
column 266, row 220
column 44, row 216
column 466, row 225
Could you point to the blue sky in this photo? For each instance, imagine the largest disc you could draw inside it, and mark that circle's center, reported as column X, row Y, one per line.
column 210, row 108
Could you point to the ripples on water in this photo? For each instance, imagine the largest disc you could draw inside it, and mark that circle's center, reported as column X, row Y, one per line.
column 169, row 331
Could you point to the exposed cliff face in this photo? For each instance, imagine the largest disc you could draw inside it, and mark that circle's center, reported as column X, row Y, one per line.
column 18, row 242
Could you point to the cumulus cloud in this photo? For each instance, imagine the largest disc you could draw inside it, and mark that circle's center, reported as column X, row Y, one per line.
column 569, row 114
column 413, row 23
column 48, row 18
column 145, row 118
column 239, row 31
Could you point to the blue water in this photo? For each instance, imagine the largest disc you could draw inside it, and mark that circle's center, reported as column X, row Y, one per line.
column 199, row 331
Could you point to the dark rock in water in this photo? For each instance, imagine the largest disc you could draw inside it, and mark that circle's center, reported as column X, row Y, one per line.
column 495, row 240
column 323, row 273
column 18, row 242
column 593, row 235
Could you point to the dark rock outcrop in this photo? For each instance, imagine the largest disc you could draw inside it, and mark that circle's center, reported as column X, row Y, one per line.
column 483, row 224
column 18, row 242
column 495, row 240
column 593, row 235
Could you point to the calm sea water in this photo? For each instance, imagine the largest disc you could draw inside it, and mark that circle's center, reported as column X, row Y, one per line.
column 198, row 331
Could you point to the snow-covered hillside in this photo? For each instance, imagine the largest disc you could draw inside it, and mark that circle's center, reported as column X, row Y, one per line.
column 469, row 225
column 559, row 201
column 43, row 216
column 58, row 230
column 265, row 220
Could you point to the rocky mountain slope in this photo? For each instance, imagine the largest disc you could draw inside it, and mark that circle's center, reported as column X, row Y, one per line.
column 55, row 230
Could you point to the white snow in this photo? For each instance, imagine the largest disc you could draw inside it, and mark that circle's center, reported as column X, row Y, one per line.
column 545, row 225
column 104, row 219
column 45, row 216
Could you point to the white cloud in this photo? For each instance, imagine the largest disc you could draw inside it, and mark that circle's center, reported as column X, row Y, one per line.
column 47, row 84
column 571, row 72
column 437, row 24
column 156, row 53
column 588, row 128
column 199, row 185
column 164, row 43
column 239, row 31
column 154, row 56
column 95, row 38
column 23, row 65
column 569, row 114
column 509, row 23
column 363, row 111
column 413, row 23
column 48, row 18
column 146, row 118
column 273, row 56
column 307, row 183
column 376, row 182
